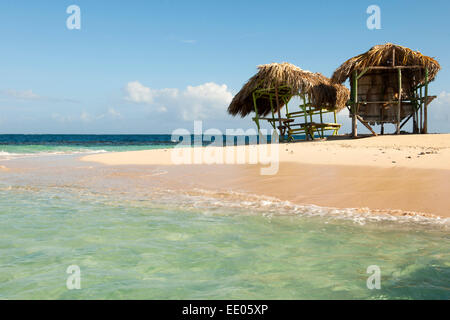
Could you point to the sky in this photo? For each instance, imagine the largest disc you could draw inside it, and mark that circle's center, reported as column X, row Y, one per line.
column 143, row 67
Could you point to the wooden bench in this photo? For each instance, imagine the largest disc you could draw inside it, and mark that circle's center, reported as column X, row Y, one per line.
column 309, row 127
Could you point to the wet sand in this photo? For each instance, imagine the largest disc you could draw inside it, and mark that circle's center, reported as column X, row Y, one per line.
column 397, row 191
column 395, row 174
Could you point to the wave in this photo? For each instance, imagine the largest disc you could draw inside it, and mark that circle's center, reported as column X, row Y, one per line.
column 211, row 201
column 4, row 155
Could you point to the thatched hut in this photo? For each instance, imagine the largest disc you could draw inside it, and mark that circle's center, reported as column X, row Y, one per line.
column 389, row 84
column 268, row 91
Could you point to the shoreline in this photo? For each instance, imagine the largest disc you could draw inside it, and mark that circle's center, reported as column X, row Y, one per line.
column 395, row 174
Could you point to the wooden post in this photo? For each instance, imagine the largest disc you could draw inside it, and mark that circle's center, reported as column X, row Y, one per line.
column 420, row 110
column 355, row 104
column 305, row 116
column 366, row 124
column 273, row 112
column 416, row 108
column 311, row 111
column 309, row 108
column 399, row 107
column 279, row 113
column 335, row 133
column 256, row 112
column 406, row 120
column 321, row 122
column 415, row 121
column 398, row 120
column 286, row 101
column 425, row 106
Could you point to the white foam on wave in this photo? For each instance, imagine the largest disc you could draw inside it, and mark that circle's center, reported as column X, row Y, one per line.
column 4, row 155
column 271, row 207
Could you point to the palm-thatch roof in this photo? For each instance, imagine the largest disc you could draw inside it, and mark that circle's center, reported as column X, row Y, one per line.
column 285, row 75
column 382, row 55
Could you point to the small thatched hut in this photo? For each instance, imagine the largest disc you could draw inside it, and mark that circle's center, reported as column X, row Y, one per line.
column 389, row 84
column 275, row 84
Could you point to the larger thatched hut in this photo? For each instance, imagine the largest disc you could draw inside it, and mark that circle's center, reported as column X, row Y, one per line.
column 389, row 84
column 268, row 91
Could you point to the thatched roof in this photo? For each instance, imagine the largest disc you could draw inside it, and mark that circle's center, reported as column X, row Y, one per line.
column 320, row 89
column 381, row 55
column 328, row 95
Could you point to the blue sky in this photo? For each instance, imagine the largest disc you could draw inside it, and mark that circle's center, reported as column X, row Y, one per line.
column 154, row 66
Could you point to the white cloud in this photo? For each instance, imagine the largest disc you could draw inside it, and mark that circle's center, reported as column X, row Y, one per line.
column 205, row 101
column 209, row 100
column 114, row 113
column 23, row 95
column 87, row 117
column 29, row 95
column 138, row 93
column 440, row 111
column 189, row 41
column 61, row 118
column 443, row 98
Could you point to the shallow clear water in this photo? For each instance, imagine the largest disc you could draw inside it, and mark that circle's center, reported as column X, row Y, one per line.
column 158, row 249
column 143, row 243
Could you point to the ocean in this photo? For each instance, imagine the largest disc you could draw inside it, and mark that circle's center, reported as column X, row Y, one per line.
column 132, row 241
column 20, row 146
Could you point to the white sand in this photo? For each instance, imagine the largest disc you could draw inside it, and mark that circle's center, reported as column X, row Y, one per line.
column 412, row 151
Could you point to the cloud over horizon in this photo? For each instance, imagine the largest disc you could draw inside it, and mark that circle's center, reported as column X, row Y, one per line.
column 205, row 101
column 29, row 95
column 439, row 110
column 86, row 117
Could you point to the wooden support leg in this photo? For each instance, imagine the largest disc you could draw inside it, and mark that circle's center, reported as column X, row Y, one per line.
column 399, row 106
column 419, row 111
column 406, row 120
column 354, row 126
column 415, row 121
column 366, row 125
column 355, row 104
column 279, row 114
column 421, row 119
column 425, row 105
column 256, row 119
column 425, row 118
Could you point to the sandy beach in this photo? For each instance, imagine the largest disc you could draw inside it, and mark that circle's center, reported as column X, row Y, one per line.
column 403, row 175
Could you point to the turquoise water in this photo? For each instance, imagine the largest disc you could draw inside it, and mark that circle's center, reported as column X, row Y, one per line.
column 23, row 146
column 8, row 152
column 139, row 249
column 152, row 243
